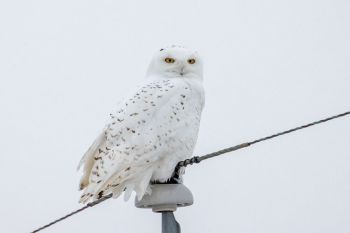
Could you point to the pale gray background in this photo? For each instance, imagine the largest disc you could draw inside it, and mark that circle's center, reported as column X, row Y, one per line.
column 269, row 65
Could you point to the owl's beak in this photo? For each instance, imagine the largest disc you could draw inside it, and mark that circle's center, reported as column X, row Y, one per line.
column 182, row 71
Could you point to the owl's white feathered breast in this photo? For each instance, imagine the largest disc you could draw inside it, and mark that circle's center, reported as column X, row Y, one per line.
column 150, row 132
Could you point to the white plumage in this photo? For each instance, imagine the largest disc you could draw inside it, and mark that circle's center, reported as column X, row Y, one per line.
column 152, row 130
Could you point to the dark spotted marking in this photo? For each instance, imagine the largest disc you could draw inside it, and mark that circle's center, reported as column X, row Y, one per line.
column 95, row 173
column 100, row 151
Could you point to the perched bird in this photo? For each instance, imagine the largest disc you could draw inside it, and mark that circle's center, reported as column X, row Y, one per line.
column 153, row 128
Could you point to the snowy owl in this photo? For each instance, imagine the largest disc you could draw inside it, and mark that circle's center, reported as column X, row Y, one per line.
column 152, row 129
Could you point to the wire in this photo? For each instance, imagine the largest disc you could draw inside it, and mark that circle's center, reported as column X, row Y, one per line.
column 73, row 213
column 198, row 159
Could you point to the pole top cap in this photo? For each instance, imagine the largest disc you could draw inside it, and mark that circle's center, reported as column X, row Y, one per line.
column 166, row 197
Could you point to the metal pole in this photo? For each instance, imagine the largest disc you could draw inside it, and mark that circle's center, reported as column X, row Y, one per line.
column 169, row 223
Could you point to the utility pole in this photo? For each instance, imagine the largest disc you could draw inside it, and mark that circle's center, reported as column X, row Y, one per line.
column 165, row 199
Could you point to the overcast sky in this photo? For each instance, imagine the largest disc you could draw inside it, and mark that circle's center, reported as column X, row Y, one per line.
column 269, row 65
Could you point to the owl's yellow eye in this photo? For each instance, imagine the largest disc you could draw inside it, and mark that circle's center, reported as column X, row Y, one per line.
column 169, row 60
column 191, row 61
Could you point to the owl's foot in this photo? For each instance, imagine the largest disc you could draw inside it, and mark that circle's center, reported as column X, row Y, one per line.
column 172, row 180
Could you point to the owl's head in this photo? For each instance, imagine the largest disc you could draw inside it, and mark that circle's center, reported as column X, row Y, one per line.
column 176, row 61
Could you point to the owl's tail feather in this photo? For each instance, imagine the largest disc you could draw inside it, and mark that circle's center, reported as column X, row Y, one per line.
column 87, row 195
column 143, row 186
column 119, row 183
column 138, row 182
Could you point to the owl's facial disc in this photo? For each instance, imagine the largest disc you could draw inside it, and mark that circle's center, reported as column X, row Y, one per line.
column 176, row 62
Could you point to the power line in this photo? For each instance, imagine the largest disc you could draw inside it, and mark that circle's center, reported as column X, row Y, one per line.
column 73, row 213
column 198, row 159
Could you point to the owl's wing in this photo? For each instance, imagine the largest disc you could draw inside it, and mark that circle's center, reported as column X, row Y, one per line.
column 88, row 159
column 123, row 155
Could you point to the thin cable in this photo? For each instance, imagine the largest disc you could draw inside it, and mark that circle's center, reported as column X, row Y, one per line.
column 73, row 213
column 198, row 159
